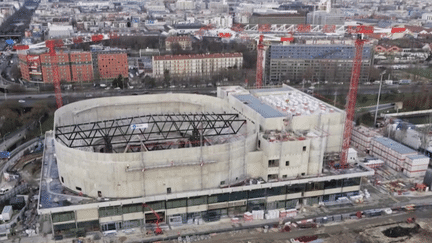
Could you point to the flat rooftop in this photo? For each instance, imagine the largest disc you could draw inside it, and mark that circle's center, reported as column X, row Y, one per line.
column 265, row 110
column 417, row 156
column 393, row 145
column 283, row 102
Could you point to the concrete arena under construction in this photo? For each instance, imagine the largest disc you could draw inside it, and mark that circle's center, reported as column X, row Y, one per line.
column 189, row 156
column 167, row 124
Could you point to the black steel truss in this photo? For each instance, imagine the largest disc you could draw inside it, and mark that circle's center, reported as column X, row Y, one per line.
column 159, row 128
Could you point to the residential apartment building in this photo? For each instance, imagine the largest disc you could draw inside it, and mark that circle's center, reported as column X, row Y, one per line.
column 318, row 62
column 112, row 64
column 185, row 42
column 195, row 65
column 274, row 18
column 81, row 66
column 73, row 66
column 61, row 60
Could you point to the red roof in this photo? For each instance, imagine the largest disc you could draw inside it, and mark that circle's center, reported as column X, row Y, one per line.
column 197, row 56
column 416, row 29
column 177, row 38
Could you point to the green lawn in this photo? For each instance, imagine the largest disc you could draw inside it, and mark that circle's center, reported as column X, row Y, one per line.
column 425, row 73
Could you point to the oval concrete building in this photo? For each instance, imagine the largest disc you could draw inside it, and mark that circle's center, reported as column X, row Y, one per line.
column 168, row 156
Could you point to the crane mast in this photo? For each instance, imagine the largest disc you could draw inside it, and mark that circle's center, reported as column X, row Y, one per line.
column 260, row 59
column 355, row 76
column 351, row 100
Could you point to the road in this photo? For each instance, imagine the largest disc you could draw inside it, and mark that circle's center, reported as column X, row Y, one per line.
column 343, row 227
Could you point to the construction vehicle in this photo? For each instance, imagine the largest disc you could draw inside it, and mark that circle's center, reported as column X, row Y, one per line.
column 58, row 43
column 158, row 230
column 410, row 220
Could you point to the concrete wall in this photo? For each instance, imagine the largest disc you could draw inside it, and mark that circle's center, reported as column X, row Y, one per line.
column 120, row 175
column 332, row 124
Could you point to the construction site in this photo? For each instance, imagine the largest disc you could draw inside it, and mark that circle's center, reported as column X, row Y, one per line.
column 191, row 158
column 152, row 164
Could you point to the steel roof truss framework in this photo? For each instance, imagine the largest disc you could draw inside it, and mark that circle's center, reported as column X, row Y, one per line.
column 158, row 128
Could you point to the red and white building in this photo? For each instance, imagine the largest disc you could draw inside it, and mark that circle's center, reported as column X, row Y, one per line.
column 81, row 66
column 361, row 138
column 111, row 65
column 73, row 66
column 399, row 157
column 195, row 65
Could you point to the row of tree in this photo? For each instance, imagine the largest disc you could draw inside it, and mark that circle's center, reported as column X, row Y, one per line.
column 13, row 115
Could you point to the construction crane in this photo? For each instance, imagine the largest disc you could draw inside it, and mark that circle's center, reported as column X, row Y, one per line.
column 57, row 43
column 260, row 60
column 355, row 75
column 260, row 55
column 351, row 100
column 158, row 230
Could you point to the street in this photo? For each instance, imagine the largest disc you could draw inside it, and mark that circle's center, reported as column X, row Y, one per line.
column 353, row 225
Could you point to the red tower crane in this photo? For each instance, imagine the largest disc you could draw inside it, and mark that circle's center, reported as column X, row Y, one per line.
column 158, row 230
column 260, row 60
column 351, row 100
column 56, row 43
column 355, row 73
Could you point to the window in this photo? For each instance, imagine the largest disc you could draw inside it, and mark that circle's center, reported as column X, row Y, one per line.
column 272, row 177
column 225, row 197
column 222, row 182
column 284, row 176
column 176, row 203
column 275, row 191
column 99, row 194
column 302, row 174
column 62, row 217
column 259, row 143
column 197, row 201
column 304, row 148
column 78, row 188
column 286, row 163
column 273, row 163
column 62, row 179
column 155, row 206
column 168, row 189
column 234, row 196
column 133, row 208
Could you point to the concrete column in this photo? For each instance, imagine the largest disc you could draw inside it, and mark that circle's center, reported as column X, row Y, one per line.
column 75, row 216
column 52, row 224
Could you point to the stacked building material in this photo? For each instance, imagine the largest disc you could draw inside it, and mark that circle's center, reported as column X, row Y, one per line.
column 399, row 157
column 361, row 138
column 291, row 213
column 248, row 216
column 374, row 163
column 258, row 214
column 282, row 214
column 416, row 165
column 272, row 214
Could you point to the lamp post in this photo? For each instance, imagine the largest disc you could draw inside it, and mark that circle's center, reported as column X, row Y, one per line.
column 40, row 125
column 379, row 93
